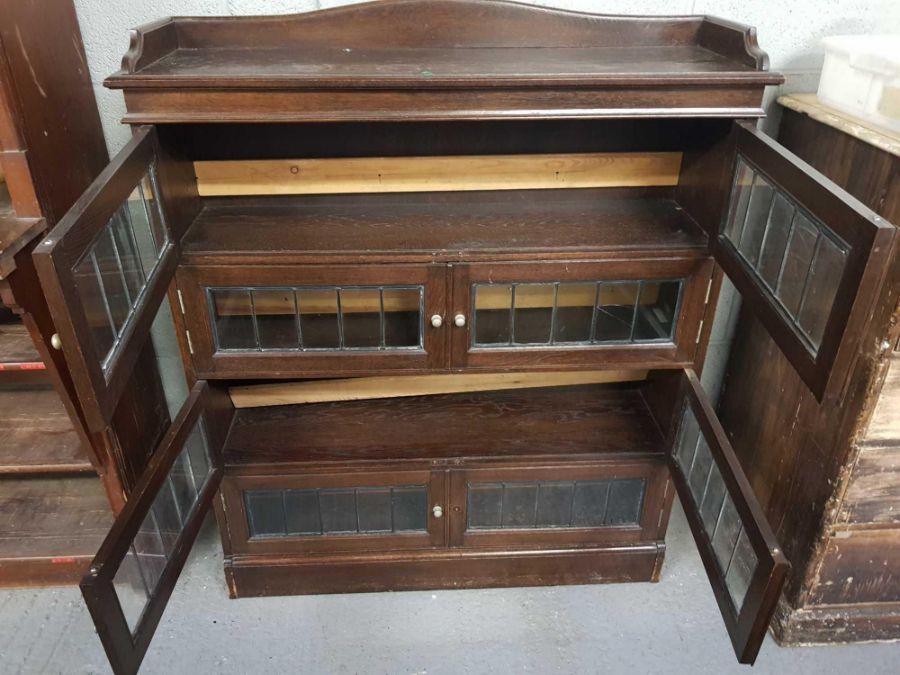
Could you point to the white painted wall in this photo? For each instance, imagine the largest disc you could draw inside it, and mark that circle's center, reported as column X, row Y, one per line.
column 790, row 31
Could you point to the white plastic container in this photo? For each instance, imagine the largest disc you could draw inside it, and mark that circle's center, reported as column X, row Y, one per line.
column 861, row 76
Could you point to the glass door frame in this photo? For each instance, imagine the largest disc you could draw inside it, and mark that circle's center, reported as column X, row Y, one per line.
column 193, row 282
column 697, row 276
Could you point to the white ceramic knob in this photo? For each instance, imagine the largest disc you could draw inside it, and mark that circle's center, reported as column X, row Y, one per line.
column 55, row 342
column 437, row 511
column 459, row 320
column 437, row 320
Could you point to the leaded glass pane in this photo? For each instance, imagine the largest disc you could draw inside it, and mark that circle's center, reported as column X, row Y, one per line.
column 493, row 314
column 137, row 577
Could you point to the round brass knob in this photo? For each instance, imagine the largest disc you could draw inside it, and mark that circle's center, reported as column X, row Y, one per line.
column 437, row 320
column 437, row 511
column 55, row 342
column 459, row 320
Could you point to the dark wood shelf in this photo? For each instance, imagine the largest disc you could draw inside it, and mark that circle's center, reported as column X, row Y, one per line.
column 438, row 227
column 441, row 44
column 18, row 354
column 448, row 67
column 38, row 436
column 553, row 422
column 50, row 528
column 16, row 234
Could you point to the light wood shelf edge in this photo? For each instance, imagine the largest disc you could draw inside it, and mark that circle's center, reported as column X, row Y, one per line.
column 398, row 386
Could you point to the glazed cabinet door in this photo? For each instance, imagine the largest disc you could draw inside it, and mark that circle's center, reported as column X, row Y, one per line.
column 742, row 558
column 805, row 255
column 106, row 267
column 638, row 314
column 134, row 572
column 318, row 512
column 594, row 503
column 315, row 320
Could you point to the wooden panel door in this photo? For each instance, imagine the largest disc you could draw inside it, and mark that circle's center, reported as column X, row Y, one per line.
column 134, row 573
column 742, row 558
column 805, row 255
column 611, row 314
column 106, row 267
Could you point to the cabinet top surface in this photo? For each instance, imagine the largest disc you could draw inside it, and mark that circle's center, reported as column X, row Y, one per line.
column 435, row 44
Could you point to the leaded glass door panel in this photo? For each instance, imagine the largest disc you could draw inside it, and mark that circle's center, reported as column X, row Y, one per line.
column 602, row 314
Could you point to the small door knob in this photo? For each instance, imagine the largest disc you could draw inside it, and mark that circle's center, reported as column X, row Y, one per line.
column 55, row 342
column 437, row 320
column 459, row 320
column 437, row 511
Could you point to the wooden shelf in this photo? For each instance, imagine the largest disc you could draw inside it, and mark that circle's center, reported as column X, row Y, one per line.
column 38, row 436
column 19, row 359
column 552, row 422
column 50, row 528
column 438, row 227
column 15, row 234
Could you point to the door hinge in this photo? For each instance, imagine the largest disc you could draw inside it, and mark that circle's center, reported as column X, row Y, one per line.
column 699, row 332
column 180, row 301
column 190, row 344
column 705, row 302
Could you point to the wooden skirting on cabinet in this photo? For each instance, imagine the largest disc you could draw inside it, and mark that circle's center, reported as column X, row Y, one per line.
column 436, row 174
column 389, row 386
column 250, row 576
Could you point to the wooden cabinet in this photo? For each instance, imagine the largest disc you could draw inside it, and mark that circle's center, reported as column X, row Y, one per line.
column 563, row 199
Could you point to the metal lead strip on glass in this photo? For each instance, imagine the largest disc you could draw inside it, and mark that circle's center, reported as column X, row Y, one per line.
column 141, row 573
column 553, row 313
column 112, row 324
column 784, row 254
column 381, row 318
column 340, row 319
column 753, row 185
column 253, row 318
column 812, row 259
column 765, row 237
column 512, row 326
column 178, row 511
column 634, row 310
column 725, row 500
column 129, row 229
column 297, row 319
column 190, row 469
column 284, row 510
column 156, row 245
column 115, row 248
column 572, row 503
column 734, row 548
column 319, row 512
column 592, row 338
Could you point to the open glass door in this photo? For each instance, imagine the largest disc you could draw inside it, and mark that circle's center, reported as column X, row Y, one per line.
column 743, row 560
column 807, row 259
column 804, row 254
column 106, row 267
column 135, row 570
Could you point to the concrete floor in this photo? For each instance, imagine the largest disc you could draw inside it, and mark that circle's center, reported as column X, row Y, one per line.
column 671, row 627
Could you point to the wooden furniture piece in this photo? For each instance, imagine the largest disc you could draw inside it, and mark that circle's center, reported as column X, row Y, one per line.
column 54, row 510
column 418, row 187
column 845, row 451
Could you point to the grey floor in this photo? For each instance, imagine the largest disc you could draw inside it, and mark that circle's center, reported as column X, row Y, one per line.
column 670, row 627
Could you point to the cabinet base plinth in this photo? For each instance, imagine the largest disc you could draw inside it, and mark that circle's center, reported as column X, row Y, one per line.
column 254, row 576
column 837, row 624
